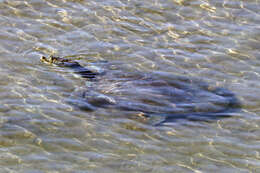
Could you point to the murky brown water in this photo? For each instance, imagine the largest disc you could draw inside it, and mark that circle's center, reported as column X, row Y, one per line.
column 159, row 59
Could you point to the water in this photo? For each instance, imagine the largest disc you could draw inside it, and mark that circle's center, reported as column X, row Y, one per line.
column 143, row 46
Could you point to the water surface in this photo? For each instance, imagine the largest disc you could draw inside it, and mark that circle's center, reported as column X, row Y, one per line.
column 149, row 44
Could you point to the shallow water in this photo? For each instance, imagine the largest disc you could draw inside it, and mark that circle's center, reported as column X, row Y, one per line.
column 142, row 49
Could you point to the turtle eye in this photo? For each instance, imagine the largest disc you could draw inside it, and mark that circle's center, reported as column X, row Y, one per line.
column 44, row 59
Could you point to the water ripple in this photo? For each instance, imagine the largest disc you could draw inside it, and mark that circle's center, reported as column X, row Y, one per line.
column 216, row 42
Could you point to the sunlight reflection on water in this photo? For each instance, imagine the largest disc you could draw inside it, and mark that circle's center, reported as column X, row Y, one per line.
column 133, row 44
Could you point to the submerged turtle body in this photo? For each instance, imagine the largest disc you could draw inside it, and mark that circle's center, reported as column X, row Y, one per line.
column 156, row 94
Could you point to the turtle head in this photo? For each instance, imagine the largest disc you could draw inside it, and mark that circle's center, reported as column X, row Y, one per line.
column 57, row 61
column 51, row 59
